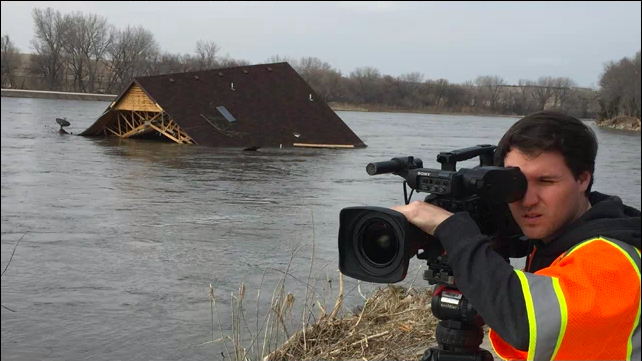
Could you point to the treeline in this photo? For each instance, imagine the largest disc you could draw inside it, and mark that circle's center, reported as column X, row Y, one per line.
column 84, row 53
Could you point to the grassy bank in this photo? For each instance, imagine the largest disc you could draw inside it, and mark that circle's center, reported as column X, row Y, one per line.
column 621, row 122
column 394, row 322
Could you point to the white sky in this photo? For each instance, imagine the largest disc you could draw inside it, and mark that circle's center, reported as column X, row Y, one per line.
column 453, row 40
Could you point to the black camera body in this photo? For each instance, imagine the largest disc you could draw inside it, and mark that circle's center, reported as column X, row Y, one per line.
column 376, row 244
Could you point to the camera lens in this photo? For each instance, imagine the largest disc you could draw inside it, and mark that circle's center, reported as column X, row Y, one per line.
column 378, row 243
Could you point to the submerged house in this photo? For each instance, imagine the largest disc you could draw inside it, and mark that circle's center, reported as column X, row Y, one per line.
column 266, row 105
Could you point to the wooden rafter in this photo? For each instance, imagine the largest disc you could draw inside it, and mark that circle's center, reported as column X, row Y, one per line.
column 126, row 120
column 131, row 122
column 134, row 131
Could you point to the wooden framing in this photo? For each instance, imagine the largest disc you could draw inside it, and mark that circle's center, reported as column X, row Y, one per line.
column 131, row 123
column 136, row 114
column 136, row 99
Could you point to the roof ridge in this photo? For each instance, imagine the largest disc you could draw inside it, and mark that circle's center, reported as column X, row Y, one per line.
column 212, row 70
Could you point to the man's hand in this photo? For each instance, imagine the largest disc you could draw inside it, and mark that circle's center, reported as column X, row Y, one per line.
column 425, row 216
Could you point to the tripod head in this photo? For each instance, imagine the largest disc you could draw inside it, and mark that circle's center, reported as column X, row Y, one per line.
column 459, row 332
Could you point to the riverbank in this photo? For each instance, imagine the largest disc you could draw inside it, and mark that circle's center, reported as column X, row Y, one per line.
column 395, row 323
column 346, row 107
column 621, row 122
column 337, row 107
column 42, row 94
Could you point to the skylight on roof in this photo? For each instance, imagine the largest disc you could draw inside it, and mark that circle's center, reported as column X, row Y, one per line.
column 224, row 112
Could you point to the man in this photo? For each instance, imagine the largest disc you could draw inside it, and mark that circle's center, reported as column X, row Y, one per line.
column 578, row 297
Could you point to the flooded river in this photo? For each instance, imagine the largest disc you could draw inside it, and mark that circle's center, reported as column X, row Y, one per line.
column 122, row 238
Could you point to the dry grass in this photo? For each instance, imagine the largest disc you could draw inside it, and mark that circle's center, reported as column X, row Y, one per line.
column 393, row 323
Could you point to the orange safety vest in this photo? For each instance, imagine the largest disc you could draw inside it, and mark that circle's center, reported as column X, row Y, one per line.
column 585, row 306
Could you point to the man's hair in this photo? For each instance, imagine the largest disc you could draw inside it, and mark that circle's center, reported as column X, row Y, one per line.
column 552, row 131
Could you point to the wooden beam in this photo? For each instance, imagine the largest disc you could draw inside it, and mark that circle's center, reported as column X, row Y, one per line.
column 165, row 134
column 122, row 114
column 133, row 131
column 323, row 145
column 155, row 117
column 116, row 134
column 133, row 119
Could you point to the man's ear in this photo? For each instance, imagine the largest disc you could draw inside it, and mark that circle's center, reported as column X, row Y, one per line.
column 585, row 180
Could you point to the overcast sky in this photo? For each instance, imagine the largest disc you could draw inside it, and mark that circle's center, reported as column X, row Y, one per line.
column 455, row 40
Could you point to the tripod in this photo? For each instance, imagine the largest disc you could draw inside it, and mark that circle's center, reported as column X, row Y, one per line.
column 459, row 333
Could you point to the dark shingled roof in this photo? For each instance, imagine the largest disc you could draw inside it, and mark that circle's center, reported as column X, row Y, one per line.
column 271, row 103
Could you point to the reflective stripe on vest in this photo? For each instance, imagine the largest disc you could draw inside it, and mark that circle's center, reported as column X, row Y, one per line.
column 547, row 314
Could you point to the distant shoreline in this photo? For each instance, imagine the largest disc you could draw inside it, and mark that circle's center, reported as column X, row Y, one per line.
column 337, row 107
column 343, row 107
column 41, row 94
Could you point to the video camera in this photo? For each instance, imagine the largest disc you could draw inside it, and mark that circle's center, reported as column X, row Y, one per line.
column 376, row 244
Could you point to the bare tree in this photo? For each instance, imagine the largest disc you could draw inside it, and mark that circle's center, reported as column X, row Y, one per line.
column 227, row 62
column 130, row 54
column 321, row 76
column 206, row 55
column 412, row 80
column 167, row 63
column 283, row 59
column 49, row 35
column 456, row 96
column 10, row 62
column 472, row 93
column 441, row 87
column 492, row 85
column 584, row 101
column 543, row 91
column 410, row 86
column 525, row 89
column 636, row 85
column 365, row 84
column 86, row 43
column 563, row 90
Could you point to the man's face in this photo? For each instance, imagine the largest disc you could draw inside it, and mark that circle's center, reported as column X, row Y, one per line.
column 554, row 197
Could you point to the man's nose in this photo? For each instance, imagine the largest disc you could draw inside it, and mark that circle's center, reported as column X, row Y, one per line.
column 530, row 197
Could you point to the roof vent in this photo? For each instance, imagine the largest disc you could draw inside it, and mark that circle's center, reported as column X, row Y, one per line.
column 220, row 74
column 245, row 71
column 269, row 69
column 232, row 86
column 171, row 80
column 311, row 98
column 196, row 77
